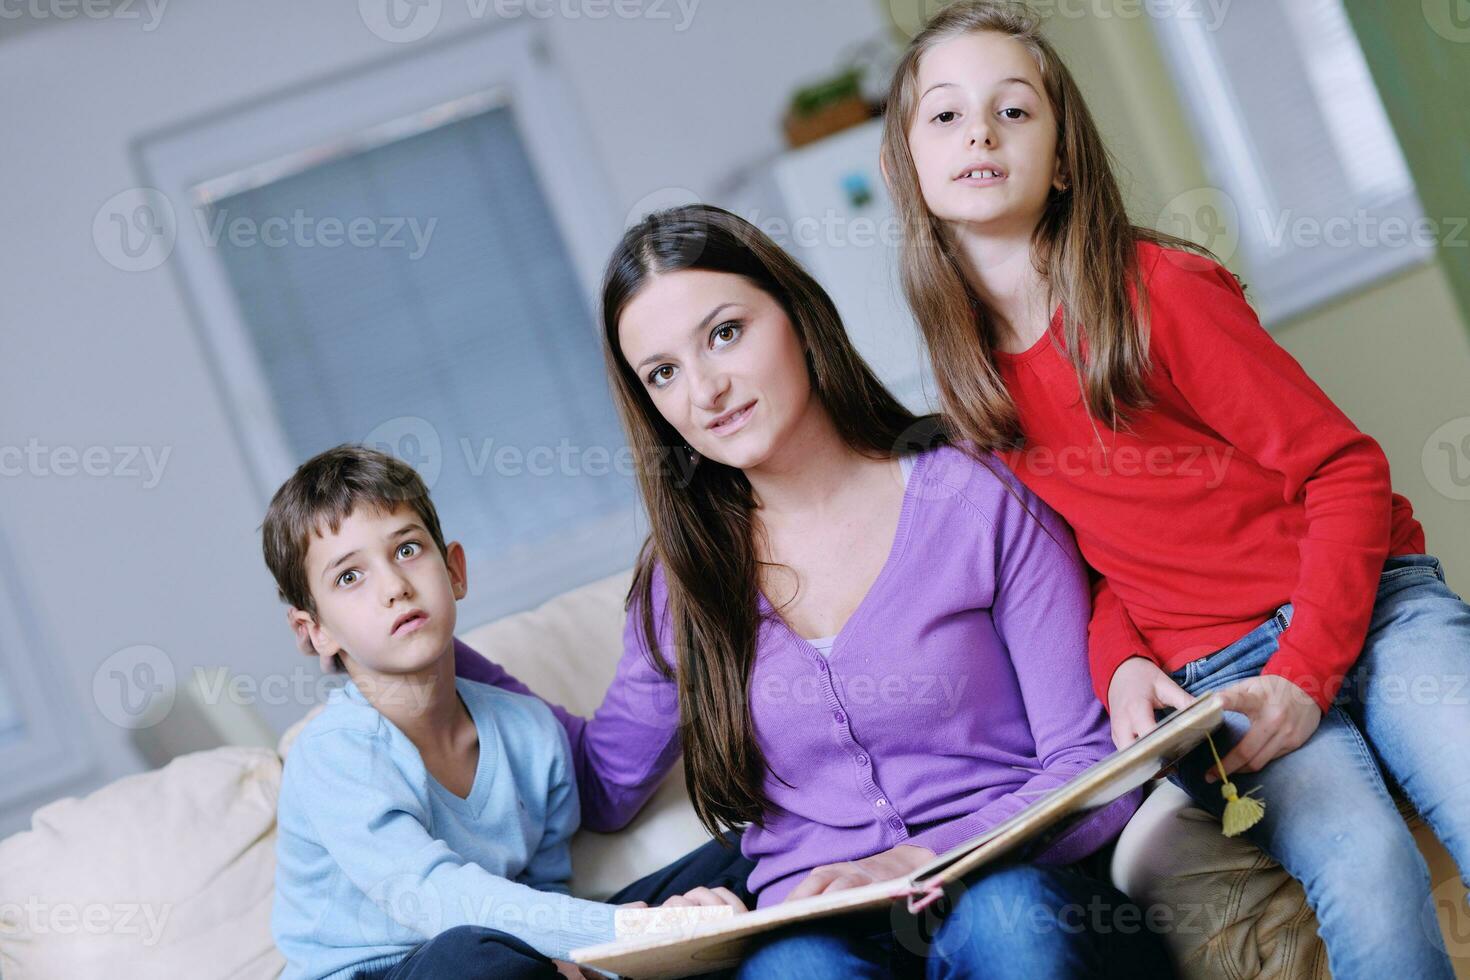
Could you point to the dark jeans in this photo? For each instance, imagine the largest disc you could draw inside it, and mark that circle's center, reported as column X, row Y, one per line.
column 475, row 951
column 1014, row 922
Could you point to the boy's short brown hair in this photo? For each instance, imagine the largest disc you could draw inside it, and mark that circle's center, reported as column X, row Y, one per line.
column 326, row 489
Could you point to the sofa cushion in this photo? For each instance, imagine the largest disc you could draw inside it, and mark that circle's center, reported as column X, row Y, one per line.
column 166, row 873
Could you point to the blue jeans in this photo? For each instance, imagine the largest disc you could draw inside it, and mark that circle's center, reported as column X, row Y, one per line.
column 1401, row 720
column 1018, row 920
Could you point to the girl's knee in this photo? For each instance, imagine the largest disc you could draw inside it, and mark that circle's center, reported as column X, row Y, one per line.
column 1387, row 866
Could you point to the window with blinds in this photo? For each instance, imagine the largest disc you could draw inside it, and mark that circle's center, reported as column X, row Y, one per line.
column 1310, row 183
column 451, row 331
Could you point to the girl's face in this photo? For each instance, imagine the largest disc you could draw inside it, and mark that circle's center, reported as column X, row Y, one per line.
column 983, row 107
column 721, row 362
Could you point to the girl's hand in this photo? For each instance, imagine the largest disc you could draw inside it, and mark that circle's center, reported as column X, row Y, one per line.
column 883, row 866
column 1282, row 717
column 574, row 972
column 1139, row 688
column 706, row 896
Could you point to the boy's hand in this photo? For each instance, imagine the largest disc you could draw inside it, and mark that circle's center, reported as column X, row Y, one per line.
column 1139, row 688
column 703, row 896
column 1282, row 717
column 883, row 866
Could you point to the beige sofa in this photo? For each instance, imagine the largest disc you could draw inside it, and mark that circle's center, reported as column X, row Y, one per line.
column 169, row 873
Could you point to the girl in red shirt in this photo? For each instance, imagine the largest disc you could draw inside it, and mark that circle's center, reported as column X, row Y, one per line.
column 1244, row 533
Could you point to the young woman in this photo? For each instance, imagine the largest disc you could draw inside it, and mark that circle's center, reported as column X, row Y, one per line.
column 869, row 646
column 1245, row 532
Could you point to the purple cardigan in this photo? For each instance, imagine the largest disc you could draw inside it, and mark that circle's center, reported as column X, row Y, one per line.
column 956, row 694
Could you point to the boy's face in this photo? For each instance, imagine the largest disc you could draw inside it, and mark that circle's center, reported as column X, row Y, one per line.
column 384, row 595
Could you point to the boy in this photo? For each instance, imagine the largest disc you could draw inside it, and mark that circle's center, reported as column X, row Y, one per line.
column 423, row 820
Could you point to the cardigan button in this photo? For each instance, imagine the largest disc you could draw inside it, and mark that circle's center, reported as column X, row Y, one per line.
column 840, row 718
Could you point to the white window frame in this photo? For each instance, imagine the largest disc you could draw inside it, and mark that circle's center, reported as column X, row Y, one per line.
column 1285, row 282
column 192, row 164
column 49, row 753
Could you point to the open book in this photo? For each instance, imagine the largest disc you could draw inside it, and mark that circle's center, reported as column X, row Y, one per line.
column 711, row 945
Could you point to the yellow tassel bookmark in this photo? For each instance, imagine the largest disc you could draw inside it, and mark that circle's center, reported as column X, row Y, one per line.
column 1241, row 812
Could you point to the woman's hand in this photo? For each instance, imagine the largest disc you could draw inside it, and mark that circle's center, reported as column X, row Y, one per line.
column 1139, row 688
column 704, row 896
column 883, row 866
column 1282, row 717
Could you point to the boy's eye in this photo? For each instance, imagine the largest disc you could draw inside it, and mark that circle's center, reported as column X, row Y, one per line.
column 946, row 116
column 348, row 577
column 661, row 375
column 1019, row 112
column 725, row 334
column 409, row 548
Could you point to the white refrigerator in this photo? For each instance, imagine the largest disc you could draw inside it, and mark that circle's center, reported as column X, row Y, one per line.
column 827, row 205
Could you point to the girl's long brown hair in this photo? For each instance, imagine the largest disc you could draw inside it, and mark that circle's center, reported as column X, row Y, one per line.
column 702, row 525
column 1084, row 248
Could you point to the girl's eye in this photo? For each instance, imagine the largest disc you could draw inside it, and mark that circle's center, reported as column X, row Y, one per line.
column 1019, row 112
column 941, row 116
column 724, row 335
column 348, row 577
column 661, row 375
column 412, row 547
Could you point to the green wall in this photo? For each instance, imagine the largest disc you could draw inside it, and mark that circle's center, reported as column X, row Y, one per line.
column 1419, row 54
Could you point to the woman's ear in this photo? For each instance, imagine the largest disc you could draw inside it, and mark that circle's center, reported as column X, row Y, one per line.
column 883, row 169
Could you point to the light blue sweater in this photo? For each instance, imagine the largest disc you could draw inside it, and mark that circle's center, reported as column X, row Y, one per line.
column 374, row 856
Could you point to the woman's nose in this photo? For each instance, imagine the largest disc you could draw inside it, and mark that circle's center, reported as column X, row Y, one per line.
column 709, row 389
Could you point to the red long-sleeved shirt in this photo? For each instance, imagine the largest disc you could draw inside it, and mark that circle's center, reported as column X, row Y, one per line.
column 1241, row 488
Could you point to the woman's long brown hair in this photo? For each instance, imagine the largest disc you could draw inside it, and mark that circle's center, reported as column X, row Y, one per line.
column 1084, row 248
column 702, row 523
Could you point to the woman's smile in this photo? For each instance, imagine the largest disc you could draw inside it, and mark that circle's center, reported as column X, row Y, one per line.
column 732, row 422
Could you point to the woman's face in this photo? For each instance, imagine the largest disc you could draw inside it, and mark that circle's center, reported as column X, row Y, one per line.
column 721, row 362
column 983, row 108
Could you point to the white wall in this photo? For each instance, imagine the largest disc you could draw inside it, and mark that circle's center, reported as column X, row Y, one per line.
column 92, row 356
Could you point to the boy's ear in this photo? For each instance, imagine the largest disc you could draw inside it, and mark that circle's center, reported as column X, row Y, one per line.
column 458, row 572
column 313, row 638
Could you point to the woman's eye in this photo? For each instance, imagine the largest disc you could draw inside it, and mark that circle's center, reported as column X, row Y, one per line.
column 661, row 375
column 348, row 577
column 1019, row 113
column 410, row 547
column 941, row 117
column 725, row 334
